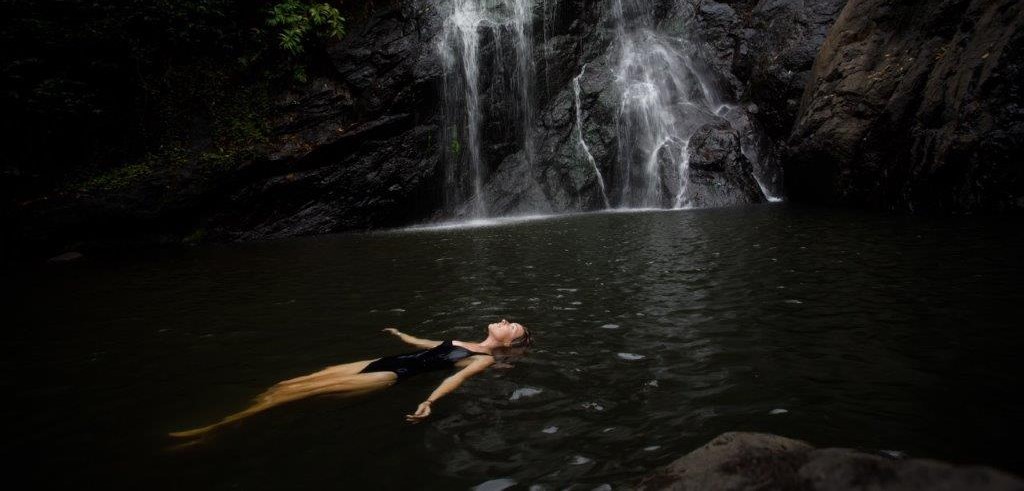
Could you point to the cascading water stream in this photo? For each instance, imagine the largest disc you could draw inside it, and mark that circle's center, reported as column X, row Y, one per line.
column 469, row 24
column 681, row 200
column 582, row 142
column 664, row 101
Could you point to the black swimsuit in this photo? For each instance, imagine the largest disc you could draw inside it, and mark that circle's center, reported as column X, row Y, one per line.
column 439, row 357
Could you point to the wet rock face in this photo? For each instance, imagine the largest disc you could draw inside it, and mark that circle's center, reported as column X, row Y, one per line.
column 764, row 50
column 719, row 173
column 782, row 44
column 743, row 461
column 915, row 106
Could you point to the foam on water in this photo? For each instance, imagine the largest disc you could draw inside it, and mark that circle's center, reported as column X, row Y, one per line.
column 524, row 392
column 495, row 484
column 579, row 460
column 481, row 222
column 518, row 219
column 895, row 454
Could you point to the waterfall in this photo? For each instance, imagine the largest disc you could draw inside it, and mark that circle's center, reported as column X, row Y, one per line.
column 502, row 28
column 664, row 100
column 486, row 50
column 579, row 136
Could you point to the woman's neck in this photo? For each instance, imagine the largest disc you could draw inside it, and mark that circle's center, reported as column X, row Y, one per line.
column 490, row 343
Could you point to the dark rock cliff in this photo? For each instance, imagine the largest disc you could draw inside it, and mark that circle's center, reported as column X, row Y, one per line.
column 915, row 106
column 353, row 148
column 360, row 145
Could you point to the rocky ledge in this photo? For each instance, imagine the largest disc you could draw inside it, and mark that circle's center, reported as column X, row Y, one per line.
column 735, row 461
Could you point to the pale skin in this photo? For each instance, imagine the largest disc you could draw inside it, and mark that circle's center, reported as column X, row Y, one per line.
column 346, row 379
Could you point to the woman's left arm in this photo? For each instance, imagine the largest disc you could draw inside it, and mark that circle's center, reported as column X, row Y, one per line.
column 451, row 383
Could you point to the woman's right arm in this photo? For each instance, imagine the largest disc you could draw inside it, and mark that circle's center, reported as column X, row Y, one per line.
column 417, row 342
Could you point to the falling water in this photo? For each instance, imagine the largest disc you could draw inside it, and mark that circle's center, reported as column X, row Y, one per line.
column 470, row 25
column 681, row 200
column 664, row 101
column 579, row 136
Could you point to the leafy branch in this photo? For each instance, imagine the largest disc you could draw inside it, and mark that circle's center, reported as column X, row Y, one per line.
column 298, row 21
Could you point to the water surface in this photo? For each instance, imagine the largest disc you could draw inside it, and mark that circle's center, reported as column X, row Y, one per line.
column 656, row 331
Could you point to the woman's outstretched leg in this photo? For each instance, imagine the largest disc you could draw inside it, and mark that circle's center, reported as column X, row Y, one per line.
column 339, row 382
column 345, row 369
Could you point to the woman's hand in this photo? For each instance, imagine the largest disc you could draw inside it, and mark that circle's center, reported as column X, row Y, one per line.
column 422, row 411
column 391, row 330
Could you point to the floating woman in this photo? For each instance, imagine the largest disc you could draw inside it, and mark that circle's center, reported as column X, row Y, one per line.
column 370, row 375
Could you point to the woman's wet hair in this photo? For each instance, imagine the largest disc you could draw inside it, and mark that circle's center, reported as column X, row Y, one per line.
column 506, row 354
column 522, row 341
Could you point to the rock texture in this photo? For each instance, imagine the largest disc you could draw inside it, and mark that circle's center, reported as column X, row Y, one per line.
column 755, row 461
column 357, row 148
column 915, row 106
column 764, row 51
column 720, row 174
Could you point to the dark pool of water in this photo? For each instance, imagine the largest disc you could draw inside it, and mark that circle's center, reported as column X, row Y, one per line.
column 655, row 332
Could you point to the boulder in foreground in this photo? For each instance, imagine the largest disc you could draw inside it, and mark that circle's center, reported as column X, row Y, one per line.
column 736, row 460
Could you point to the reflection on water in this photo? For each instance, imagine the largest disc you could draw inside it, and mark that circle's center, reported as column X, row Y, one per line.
column 656, row 332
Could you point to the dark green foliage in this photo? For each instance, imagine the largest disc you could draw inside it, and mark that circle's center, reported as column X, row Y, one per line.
column 298, row 19
column 298, row 22
column 90, row 86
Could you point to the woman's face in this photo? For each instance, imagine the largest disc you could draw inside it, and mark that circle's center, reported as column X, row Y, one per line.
column 505, row 331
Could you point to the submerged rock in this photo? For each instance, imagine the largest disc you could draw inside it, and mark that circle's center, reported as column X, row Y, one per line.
column 743, row 461
column 915, row 106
